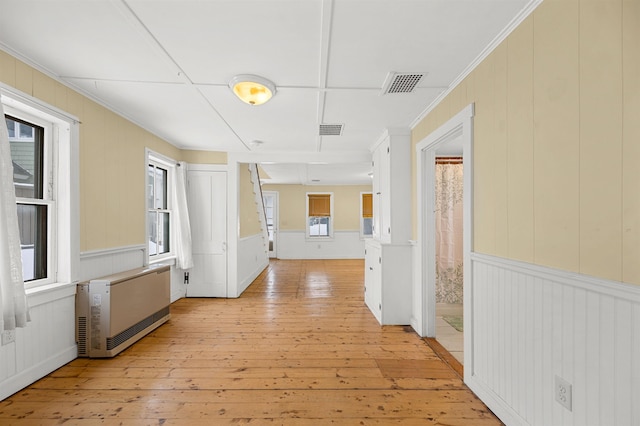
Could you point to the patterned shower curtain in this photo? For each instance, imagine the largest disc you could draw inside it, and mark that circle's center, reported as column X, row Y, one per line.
column 449, row 185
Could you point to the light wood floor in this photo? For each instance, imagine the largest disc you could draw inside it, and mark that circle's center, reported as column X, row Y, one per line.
column 298, row 348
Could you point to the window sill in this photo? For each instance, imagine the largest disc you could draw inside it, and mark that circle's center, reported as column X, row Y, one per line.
column 308, row 238
column 166, row 260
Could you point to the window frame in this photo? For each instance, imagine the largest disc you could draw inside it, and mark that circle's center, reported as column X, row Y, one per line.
column 362, row 234
column 48, row 196
column 331, row 217
column 168, row 164
column 61, row 185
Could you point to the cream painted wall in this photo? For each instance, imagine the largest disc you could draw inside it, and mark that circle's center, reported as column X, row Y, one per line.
column 556, row 130
column 204, row 157
column 112, row 156
column 292, row 208
column 249, row 219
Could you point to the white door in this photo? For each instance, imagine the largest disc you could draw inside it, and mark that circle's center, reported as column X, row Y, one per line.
column 207, row 198
column 270, row 199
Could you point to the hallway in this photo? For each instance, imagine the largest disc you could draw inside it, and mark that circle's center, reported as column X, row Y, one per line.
column 299, row 347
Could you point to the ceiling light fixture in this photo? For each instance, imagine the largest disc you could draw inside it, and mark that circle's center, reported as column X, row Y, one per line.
column 252, row 89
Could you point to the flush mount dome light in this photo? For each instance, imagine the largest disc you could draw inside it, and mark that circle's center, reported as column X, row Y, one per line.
column 252, row 89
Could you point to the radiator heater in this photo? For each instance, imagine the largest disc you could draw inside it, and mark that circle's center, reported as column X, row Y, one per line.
column 114, row 312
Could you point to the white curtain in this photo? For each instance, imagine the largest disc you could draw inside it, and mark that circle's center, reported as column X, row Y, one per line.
column 449, row 213
column 184, row 254
column 13, row 300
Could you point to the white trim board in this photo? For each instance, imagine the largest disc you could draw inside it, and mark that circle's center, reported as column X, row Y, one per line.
column 460, row 126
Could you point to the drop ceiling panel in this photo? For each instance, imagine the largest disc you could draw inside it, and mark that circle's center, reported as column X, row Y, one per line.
column 82, row 39
column 441, row 37
column 287, row 122
column 367, row 115
column 182, row 117
column 215, row 40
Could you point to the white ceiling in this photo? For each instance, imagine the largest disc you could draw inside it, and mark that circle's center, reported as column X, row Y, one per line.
column 166, row 64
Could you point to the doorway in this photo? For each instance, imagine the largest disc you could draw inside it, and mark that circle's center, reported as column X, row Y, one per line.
column 449, row 190
column 454, row 138
column 270, row 200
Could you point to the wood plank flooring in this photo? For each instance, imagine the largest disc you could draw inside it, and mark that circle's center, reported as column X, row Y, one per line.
column 298, row 348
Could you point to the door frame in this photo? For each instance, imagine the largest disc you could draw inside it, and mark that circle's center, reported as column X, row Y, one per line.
column 276, row 220
column 459, row 126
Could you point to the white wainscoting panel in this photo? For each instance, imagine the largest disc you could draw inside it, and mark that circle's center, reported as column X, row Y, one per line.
column 253, row 257
column 100, row 263
column 344, row 245
column 47, row 343
column 532, row 323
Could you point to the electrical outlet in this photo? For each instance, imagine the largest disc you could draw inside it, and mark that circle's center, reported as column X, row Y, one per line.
column 8, row 336
column 563, row 392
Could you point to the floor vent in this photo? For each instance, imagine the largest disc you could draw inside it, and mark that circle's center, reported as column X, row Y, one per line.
column 330, row 130
column 401, row 82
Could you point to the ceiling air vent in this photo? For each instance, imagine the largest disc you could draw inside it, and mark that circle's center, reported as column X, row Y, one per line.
column 330, row 129
column 401, row 82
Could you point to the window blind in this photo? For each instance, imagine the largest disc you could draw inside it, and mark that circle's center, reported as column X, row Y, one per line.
column 367, row 205
column 319, row 205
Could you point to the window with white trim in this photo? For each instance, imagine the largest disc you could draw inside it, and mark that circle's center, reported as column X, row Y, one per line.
column 29, row 140
column 319, row 215
column 44, row 145
column 159, row 181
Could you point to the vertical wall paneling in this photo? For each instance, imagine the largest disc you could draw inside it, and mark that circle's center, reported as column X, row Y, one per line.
column 630, row 145
column 484, row 189
column 100, row 263
column 47, row 343
column 500, row 151
column 520, row 141
column 556, row 134
column 532, row 323
column 600, row 153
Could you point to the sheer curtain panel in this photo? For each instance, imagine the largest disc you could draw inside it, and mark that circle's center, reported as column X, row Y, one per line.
column 184, row 255
column 13, row 300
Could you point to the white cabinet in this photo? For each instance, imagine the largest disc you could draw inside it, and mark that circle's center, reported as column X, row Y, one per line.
column 387, row 290
column 392, row 187
column 388, row 255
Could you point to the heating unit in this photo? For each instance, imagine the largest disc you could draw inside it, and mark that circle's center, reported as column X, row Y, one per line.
column 114, row 312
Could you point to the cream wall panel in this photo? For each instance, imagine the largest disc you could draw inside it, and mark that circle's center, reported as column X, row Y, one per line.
column 24, row 77
column 204, row 157
column 500, row 158
column 44, row 88
column 93, row 214
column 520, row 142
column 7, row 68
column 630, row 138
column 484, row 196
column 557, row 140
column 292, row 206
column 249, row 222
column 61, row 96
column 601, row 138
column 115, row 174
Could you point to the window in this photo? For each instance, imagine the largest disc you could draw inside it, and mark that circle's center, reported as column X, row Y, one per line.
column 30, row 146
column 44, row 145
column 319, row 214
column 366, row 214
column 158, row 209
